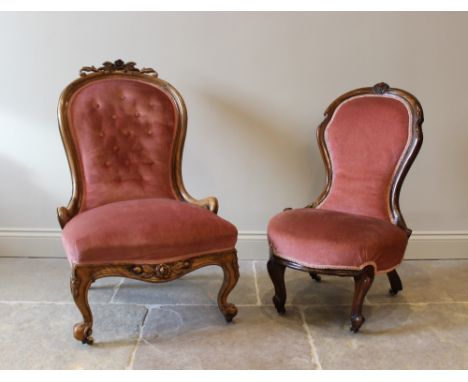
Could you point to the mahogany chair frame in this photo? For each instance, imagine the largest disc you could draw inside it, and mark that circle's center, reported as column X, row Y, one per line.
column 363, row 278
column 82, row 276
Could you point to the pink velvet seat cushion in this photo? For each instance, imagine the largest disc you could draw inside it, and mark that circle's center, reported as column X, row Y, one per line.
column 318, row 238
column 145, row 230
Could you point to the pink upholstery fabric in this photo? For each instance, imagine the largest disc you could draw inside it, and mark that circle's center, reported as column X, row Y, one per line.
column 145, row 230
column 366, row 138
column 331, row 239
column 124, row 130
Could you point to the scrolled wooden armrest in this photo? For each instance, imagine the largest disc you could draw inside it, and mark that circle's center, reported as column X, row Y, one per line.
column 210, row 202
column 63, row 215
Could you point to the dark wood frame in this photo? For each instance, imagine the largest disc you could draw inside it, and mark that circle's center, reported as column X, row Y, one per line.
column 363, row 277
column 83, row 276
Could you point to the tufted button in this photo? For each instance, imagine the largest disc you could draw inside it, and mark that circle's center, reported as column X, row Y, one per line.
column 114, row 116
column 97, row 106
column 107, row 164
column 125, row 132
column 151, row 104
column 122, row 97
column 115, row 148
column 149, row 132
column 127, row 162
column 137, row 114
column 101, row 134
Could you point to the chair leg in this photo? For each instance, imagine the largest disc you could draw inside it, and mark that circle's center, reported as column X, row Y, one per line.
column 231, row 275
column 362, row 284
column 395, row 282
column 276, row 272
column 80, row 282
column 315, row 276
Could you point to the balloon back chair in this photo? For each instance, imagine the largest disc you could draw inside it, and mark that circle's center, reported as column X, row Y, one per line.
column 368, row 140
column 129, row 214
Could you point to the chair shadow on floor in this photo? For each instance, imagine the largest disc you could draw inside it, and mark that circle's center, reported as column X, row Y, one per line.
column 391, row 320
column 326, row 308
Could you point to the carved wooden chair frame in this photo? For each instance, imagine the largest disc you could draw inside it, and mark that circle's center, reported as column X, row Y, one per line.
column 82, row 276
column 363, row 278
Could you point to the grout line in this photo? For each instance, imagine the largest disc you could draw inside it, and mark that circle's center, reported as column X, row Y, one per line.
column 27, row 302
column 151, row 306
column 116, row 289
column 183, row 304
column 257, row 290
column 137, row 344
column 313, row 349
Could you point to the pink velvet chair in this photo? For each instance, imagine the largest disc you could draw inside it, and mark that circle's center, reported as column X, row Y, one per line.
column 129, row 215
column 368, row 140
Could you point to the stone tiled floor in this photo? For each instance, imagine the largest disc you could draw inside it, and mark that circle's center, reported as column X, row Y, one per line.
column 177, row 325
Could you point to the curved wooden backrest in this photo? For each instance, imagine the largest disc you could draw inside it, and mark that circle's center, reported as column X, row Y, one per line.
column 369, row 140
column 123, row 130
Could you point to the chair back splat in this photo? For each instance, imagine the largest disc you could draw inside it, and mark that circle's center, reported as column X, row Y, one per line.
column 369, row 139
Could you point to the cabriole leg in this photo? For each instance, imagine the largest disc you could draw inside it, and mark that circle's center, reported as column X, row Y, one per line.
column 395, row 282
column 80, row 282
column 231, row 275
column 362, row 284
column 276, row 272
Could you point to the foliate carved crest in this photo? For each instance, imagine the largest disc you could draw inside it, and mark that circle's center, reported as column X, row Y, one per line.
column 161, row 271
column 117, row 66
column 380, row 88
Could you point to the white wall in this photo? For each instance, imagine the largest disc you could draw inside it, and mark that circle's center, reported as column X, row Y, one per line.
column 256, row 85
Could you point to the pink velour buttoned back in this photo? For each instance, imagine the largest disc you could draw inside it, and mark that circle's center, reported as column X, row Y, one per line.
column 124, row 131
column 366, row 138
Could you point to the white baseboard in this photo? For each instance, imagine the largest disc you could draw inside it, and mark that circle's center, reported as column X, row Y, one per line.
column 30, row 243
column 422, row 245
column 252, row 245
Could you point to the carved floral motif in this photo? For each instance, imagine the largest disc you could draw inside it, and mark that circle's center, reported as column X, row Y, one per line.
column 380, row 88
column 161, row 271
column 117, row 66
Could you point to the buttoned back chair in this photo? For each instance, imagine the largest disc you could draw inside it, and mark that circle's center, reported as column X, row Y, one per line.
column 368, row 140
column 130, row 215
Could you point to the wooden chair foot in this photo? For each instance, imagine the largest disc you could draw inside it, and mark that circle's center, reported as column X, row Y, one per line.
column 229, row 311
column 395, row 282
column 362, row 283
column 276, row 272
column 80, row 281
column 231, row 275
column 279, row 305
column 356, row 323
column 315, row 276
column 82, row 332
